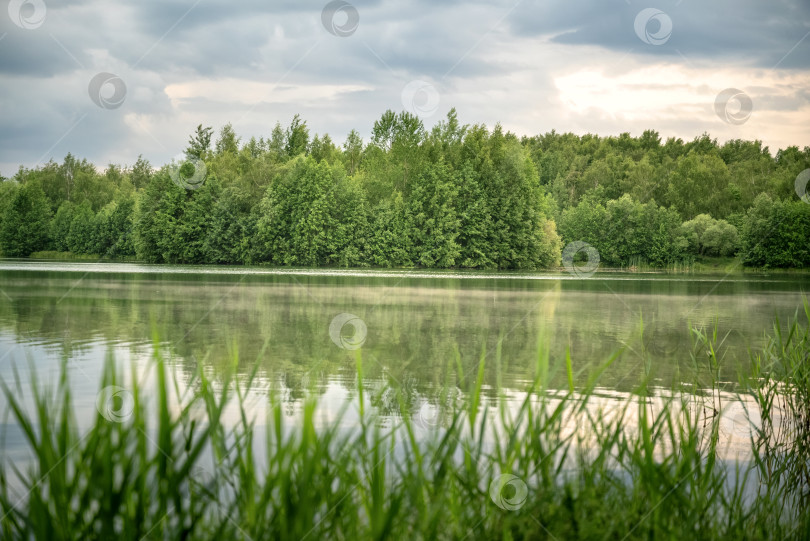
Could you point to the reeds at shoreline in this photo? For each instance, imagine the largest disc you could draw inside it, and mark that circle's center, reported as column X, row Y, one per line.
column 156, row 467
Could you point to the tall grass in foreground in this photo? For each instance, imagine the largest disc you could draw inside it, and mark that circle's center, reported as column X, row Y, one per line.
column 782, row 393
column 557, row 466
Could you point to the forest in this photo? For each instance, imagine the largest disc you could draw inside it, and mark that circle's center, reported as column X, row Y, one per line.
column 452, row 196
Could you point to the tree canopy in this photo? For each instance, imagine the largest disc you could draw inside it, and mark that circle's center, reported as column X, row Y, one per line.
column 453, row 195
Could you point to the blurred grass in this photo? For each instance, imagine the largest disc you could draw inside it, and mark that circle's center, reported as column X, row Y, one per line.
column 70, row 256
column 48, row 254
column 556, row 466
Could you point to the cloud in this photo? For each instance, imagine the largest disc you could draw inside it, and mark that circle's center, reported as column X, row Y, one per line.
column 569, row 65
column 740, row 32
column 665, row 96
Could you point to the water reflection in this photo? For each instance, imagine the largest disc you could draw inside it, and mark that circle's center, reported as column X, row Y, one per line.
column 424, row 332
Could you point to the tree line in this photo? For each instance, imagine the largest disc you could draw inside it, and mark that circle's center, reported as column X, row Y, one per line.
column 451, row 196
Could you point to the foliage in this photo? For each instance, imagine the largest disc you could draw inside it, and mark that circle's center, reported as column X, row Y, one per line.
column 625, row 231
column 228, row 141
column 297, row 137
column 708, row 236
column 432, row 218
column 80, row 235
column 60, row 227
column 782, row 394
column 189, row 459
column 453, row 195
column 313, row 216
column 776, row 233
column 26, row 222
column 171, row 223
column 200, row 142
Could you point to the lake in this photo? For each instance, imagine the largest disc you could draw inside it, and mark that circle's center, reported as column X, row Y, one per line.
column 302, row 329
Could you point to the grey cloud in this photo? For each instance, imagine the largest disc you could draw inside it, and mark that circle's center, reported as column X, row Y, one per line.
column 749, row 32
column 781, row 100
column 32, row 53
column 508, row 50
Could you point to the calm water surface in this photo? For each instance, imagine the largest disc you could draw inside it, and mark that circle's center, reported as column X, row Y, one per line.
column 416, row 328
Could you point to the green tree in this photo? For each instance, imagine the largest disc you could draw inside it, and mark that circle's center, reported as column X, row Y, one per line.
column 296, row 137
column 312, row 216
column 199, row 143
column 389, row 240
column 586, row 222
column 699, row 185
column 513, row 188
column 352, row 151
column 475, row 221
column 458, row 195
column 323, row 149
column 776, row 234
column 432, row 219
column 399, row 137
column 113, row 229
column 231, row 228
column 708, row 236
column 26, row 222
column 228, row 141
column 721, row 239
column 80, row 239
column 8, row 192
column 170, row 221
column 276, row 146
column 626, row 232
column 445, row 140
column 60, row 226
column 140, row 173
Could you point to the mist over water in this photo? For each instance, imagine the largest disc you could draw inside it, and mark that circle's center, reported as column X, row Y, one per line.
column 416, row 322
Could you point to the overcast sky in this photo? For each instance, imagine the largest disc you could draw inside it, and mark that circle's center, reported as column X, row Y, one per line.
column 108, row 81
